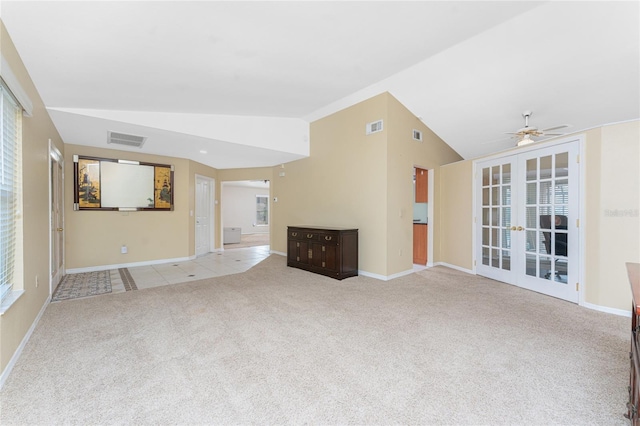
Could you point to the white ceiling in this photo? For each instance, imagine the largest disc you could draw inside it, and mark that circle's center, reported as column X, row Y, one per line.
column 241, row 80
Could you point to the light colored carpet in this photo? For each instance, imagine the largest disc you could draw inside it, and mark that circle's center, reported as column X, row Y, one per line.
column 249, row 240
column 278, row 345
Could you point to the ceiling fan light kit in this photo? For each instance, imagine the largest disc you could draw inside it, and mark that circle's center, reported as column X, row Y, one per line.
column 526, row 134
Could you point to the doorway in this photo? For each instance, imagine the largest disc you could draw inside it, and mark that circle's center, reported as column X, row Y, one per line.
column 527, row 226
column 422, row 238
column 204, row 228
column 56, row 218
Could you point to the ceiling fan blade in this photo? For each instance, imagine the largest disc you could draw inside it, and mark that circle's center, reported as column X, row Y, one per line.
column 562, row 126
column 554, row 134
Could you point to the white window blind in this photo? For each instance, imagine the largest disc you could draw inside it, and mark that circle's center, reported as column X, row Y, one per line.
column 9, row 186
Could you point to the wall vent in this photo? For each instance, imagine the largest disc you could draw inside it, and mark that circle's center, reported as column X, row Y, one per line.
column 417, row 135
column 374, row 127
column 124, row 139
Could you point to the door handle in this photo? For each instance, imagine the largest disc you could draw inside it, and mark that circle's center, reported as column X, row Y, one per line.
column 513, row 228
column 59, row 229
column 520, row 228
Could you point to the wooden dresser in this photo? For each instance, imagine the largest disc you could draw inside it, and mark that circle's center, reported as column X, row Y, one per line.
column 327, row 251
column 633, row 270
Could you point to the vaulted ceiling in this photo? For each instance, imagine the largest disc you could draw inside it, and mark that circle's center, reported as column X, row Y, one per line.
column 235, row 84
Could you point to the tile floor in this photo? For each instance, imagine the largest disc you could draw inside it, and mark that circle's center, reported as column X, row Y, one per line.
column 227, row 262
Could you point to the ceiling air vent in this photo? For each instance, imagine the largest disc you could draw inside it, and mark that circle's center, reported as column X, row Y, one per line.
column 124, row 139
column 374, row 127
column 417, row 135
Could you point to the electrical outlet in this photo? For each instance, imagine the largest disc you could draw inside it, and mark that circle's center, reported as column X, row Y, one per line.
column 123, row 249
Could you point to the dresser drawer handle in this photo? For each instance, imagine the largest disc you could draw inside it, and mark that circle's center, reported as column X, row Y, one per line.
column 294, row 234
column 309, row 235
column 328, row 237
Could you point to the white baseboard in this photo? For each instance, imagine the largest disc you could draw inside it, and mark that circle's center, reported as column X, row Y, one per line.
column 127, row 265
column 614, row 311
column 385, row 277
column 25, row 339
column 457, row 268
column 278, row 253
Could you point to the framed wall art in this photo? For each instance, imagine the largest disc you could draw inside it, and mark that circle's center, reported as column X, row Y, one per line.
column 123, row 185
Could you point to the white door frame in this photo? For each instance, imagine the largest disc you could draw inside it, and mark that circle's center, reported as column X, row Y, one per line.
column 477, row 221
column 55, row 156
column 430, row 211
column 212, row 212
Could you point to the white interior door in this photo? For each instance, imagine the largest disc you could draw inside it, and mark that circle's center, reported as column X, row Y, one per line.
column 528, row 210
column 204, row 215
column 57, row 221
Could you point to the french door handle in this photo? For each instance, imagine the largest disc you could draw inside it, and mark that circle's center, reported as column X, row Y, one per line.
column 513, row 228
column 520, row 228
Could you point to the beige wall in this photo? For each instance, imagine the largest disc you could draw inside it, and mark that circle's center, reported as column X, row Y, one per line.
column 403, row 154
column 149, row 235
column 456, row 214
column 612, row 231
column 239, row 208
column 94, row 238
column 34, row 258
column 611, row 202
column 355, row 180
column 342, row 184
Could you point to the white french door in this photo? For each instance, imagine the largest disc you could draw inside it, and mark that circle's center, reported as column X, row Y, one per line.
column 527, row 220
column 204, row 215
column 56, row 214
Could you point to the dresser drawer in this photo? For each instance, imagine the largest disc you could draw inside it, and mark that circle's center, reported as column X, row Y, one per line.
column 330, row 238
column 303, row 235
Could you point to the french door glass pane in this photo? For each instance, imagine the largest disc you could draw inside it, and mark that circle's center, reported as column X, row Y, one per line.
column 561, row 267
column 531, row 219
column 531, row 241
column 545, row 167
column 562, row 164
column 494, row 217
column 545, row 268
column 545, row 192
column 532, row 169
column 506, row 260
column 506, row 239
column 531, row 265
column 532, row 193
column 506, row 173
column 495, row 175
column 561, row 191
column 485, row 176
column 506, row 217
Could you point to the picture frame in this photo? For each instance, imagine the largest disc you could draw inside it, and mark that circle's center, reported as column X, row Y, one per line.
column 122, row 185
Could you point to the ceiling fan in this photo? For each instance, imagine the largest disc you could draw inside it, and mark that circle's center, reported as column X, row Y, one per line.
column 526, row 134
